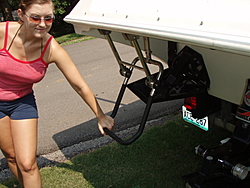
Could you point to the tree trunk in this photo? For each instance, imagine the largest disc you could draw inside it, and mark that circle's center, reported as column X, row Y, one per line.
column 6, row 10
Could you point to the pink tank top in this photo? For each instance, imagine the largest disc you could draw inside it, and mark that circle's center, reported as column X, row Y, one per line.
column 16, row 76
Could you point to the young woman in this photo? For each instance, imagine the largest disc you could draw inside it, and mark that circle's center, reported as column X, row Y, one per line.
column 26, row 51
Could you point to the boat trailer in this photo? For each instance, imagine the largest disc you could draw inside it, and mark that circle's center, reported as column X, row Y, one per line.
column 225, row 165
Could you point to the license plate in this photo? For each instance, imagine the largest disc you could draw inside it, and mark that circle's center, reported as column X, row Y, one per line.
column 201, row 123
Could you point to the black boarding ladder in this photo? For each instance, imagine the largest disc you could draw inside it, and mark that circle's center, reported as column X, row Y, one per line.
column 187, row 78
column 127, row 72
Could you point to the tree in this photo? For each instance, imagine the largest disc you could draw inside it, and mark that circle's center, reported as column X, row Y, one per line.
column 6, row 10
column 62, row 9
column 69, row 5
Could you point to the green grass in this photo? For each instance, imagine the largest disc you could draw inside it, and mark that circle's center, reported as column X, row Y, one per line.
column 158, row 159
column 72, row 38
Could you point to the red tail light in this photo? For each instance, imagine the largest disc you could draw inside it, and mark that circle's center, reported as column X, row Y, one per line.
column 190, row 103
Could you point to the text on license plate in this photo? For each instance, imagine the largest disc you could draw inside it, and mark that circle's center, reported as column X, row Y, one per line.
column 201, row 123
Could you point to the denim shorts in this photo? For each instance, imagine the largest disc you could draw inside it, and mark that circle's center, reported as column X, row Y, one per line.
column 22, row 108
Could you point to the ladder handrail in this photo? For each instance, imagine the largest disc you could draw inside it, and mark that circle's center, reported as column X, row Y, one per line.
column 140, row 130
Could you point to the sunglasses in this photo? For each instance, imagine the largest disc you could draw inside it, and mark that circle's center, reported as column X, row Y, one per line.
column 38, row 19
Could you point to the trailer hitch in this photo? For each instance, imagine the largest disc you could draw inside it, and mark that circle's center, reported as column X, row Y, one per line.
column 229, row 162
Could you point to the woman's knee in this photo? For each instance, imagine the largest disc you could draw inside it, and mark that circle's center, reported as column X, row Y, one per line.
column 10, row 156
column 27, row 165
column 11, row 159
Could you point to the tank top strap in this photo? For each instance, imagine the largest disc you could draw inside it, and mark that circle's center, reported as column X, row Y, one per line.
column 6, row 35
column 46, row 46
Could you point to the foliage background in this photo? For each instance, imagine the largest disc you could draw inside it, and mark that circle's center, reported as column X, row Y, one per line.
column 62, row 9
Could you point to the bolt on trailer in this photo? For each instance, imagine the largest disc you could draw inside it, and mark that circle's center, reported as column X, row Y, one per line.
column 203, row 56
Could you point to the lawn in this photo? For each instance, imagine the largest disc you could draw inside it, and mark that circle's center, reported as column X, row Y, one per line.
column 72, row 38
column 159, row 158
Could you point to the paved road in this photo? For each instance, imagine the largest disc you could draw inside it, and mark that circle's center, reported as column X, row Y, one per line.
column 66, row 120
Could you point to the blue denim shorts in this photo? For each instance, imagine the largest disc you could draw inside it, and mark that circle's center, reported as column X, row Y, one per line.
column 23, row 108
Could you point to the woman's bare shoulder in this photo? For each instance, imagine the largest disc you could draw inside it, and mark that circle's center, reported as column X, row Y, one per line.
column 57, row 53
column 2, row 33
column 2, row 28
column 12, row 27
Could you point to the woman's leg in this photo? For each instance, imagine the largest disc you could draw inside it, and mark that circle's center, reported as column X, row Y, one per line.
column 24, row 135
column 7, row 147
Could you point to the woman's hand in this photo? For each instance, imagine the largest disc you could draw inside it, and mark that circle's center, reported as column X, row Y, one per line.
column 105, row 122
